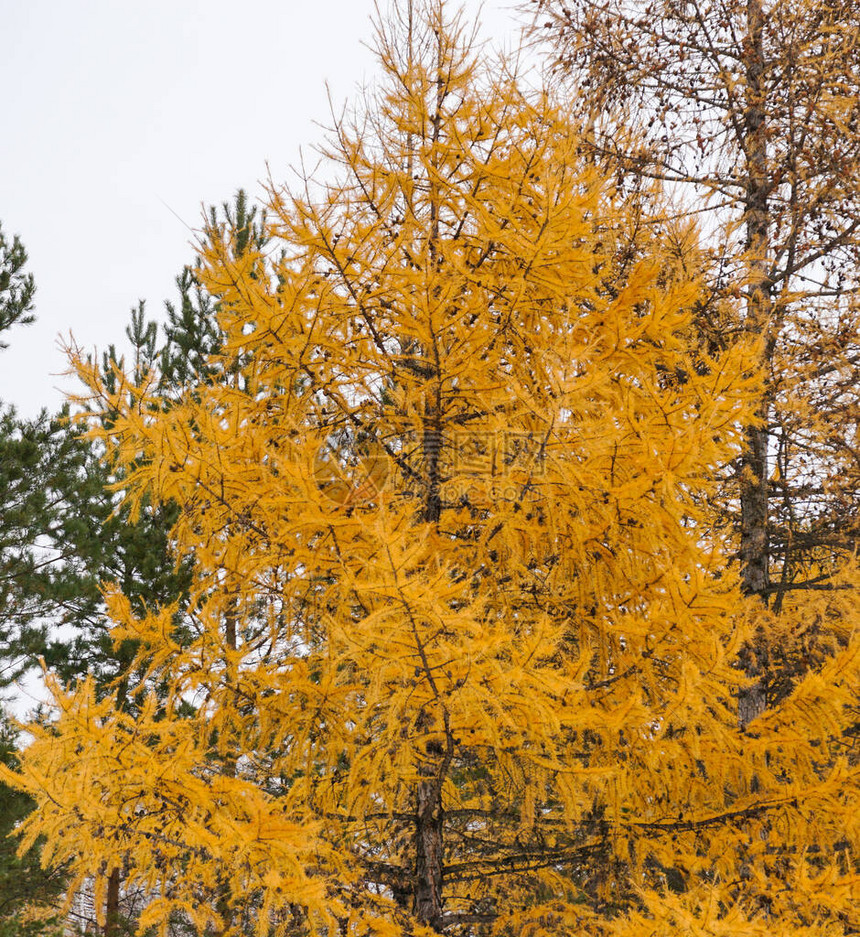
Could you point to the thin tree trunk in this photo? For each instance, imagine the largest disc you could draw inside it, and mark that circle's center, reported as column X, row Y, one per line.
column 222, row 902
column 429, row 817
column 112, row 922
column 427, row 894
column 754, row 547
column 112, row 919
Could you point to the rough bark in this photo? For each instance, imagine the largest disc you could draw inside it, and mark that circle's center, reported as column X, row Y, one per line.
column 112, row 918
column 427, row 893
column 754, row 475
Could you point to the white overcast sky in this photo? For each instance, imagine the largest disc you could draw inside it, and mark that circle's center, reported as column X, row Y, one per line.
column 121, row 118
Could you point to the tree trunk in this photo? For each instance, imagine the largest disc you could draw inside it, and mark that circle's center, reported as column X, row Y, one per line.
column 112, row 922
column 427, row 894
column 429, row 825
column 223, row 903
column 754, row 548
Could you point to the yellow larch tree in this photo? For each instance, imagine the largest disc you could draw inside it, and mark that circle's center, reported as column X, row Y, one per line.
column 459, row 655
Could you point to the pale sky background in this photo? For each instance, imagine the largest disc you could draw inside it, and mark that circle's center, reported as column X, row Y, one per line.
column 122, row 118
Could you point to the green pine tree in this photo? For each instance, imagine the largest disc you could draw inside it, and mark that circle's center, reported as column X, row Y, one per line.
column 16, row 287
column 27, row 892
column 64, row 531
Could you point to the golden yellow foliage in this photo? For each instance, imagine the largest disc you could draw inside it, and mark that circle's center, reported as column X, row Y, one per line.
column 459, row 656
